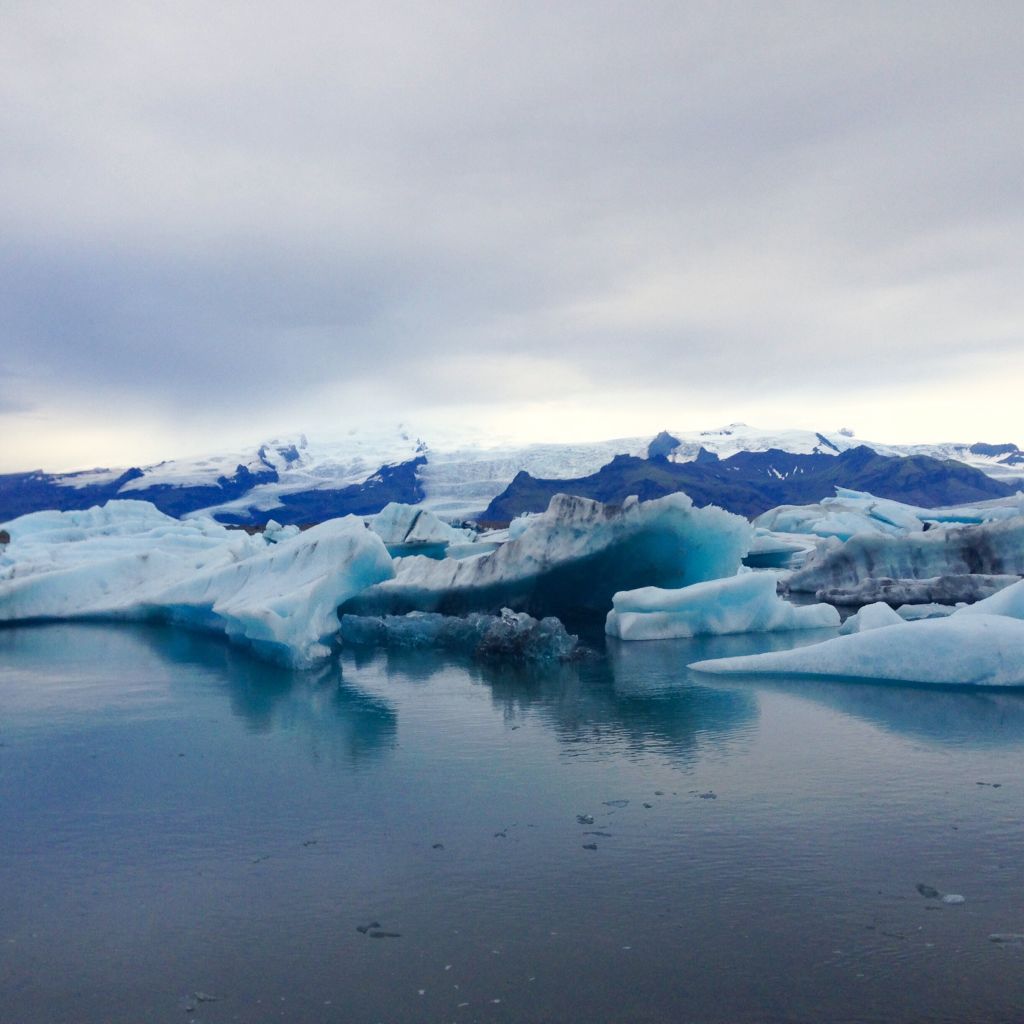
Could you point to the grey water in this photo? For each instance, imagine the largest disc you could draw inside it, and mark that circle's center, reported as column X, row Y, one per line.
column 190, row 835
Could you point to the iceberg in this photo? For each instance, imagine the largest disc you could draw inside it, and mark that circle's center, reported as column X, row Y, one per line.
column 851, row 513
column 988, row 549
column 571, row 560
column 846, row 515
column 961, row 650
column 510, row 636
column 747, row 603
column 408, row 525
column 126, row 560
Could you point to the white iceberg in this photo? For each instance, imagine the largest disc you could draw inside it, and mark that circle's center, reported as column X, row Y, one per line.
column 129, row 561
column 847, row 514
column 747, row 603
column 851, row 513
column 961, row 650
column 398, row 524
column 571, row 560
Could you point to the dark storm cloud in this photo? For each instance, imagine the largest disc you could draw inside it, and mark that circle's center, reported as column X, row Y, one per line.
column 199, row 206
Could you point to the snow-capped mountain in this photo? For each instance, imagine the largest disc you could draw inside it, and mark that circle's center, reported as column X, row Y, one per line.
column 298, row 479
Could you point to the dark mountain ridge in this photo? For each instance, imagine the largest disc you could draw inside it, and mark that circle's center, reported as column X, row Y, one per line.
column 750, row 483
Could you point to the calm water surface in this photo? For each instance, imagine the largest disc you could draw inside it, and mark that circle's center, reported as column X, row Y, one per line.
column 176, row 818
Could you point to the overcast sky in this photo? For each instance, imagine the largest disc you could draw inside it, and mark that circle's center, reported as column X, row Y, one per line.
column 224, row 221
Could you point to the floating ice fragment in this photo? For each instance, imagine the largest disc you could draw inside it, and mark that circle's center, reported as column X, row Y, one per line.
column 746, row 603
column 961, row 650
column 510, row 636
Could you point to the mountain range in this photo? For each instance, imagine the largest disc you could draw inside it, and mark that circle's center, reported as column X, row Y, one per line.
column 739, row 467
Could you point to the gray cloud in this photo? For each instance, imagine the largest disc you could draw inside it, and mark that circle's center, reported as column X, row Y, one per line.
column 202, row 208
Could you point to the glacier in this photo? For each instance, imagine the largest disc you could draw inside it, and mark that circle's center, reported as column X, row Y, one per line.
column 571, row 560
column 961, row 650
column 747, row 603
column 127, row 560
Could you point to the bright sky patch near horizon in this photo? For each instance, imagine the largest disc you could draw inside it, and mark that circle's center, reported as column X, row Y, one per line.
column 547, row 221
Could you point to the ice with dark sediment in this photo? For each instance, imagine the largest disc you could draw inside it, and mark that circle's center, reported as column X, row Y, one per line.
column 510, row 636
column 987, row 549
column 571, row 560
column 945, row 590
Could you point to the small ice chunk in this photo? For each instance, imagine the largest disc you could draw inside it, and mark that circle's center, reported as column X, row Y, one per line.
column 871, row 616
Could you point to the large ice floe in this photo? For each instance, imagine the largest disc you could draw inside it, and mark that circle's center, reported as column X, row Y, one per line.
column 510, row 636
column 961, row 650
column 747, row 603
column 571, row 560
column 126, row 560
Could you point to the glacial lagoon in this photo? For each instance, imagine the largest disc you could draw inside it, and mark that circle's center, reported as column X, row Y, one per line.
column 188, row 834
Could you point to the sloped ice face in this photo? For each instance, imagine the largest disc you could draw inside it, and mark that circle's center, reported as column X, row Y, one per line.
column 743, row 604
column 510, row 636
column 127, row 560
column 961, row 650
column 571, row 560
column 1009, row 601
column 988, row 549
